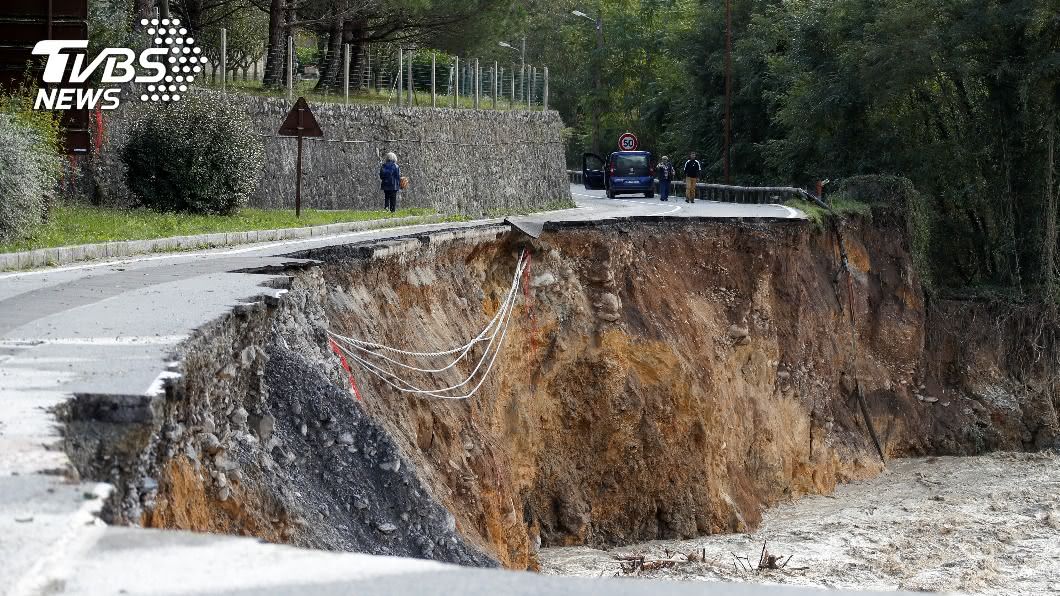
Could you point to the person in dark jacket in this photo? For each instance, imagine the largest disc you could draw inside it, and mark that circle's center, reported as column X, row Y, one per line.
column 692, row 170
column 664, row 172
column 390, row 177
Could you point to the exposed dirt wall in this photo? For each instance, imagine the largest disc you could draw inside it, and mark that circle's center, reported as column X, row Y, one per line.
column 661, row 379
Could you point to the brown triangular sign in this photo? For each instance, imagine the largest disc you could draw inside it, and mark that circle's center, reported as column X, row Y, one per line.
column 300, row 122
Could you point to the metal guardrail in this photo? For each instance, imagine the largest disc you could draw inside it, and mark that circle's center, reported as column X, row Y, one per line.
column 735, row 194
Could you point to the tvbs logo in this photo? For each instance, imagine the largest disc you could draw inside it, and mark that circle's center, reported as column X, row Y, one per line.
column 166, row 68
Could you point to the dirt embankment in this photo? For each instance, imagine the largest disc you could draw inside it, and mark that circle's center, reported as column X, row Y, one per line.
column 660, row 380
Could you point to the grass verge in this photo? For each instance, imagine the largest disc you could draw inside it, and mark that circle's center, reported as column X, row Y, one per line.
column 842, row 206
column 72, row 225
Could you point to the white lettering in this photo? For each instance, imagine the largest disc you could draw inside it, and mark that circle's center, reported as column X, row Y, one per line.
column 56, row 64
column 111, row 96
column 65, row 100
column 121, row 59
column 159, row 66
column 45, row 100
column 87, row 98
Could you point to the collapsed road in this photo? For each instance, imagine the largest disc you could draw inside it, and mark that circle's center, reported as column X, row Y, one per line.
column 665, row 376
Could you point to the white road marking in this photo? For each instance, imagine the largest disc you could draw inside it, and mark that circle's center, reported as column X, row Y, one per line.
column 153, row 340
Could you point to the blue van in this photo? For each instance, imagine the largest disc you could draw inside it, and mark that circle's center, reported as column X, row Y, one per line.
column 622, row 172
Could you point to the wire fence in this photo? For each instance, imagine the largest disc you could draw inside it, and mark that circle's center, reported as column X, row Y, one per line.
column 387, row 74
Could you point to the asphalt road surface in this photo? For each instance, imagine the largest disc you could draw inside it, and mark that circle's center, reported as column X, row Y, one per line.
column 108, row 327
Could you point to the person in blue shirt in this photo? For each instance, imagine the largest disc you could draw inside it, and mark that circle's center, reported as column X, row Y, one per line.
column 390, row 177
column 664, row 172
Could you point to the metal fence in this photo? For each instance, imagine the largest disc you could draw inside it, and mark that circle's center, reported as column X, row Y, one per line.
column 725, row 193
column 401, row 76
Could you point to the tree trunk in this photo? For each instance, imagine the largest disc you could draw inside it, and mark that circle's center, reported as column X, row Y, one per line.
column 276, row 58
column 1049, row 273
column 331, row 63
column 143, row 11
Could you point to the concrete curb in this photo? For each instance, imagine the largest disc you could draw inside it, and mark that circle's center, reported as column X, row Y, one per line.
column 64, row 255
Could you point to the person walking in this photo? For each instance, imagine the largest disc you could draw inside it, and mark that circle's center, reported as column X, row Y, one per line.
column 390, row 177
column 664, row 172
column 692, row 169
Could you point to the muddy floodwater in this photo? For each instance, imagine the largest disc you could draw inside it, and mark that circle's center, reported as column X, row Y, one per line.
column 976, row 525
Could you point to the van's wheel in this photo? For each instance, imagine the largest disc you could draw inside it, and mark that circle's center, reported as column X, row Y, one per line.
column 610, row 194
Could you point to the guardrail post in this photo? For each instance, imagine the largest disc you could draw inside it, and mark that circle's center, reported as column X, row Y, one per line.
column 434, row 90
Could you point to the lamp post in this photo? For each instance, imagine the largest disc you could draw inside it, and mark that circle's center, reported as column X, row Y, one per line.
column 522, row 64
column 597, row 78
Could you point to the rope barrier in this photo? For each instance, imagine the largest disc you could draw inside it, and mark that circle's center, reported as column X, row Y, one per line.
column 499, row 326
column 369, row 346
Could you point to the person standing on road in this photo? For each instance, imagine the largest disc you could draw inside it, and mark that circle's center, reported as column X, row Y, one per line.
column 692, row 169
column 665, row 173
column 390, row 177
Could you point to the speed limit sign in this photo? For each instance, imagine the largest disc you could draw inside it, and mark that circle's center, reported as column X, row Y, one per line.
column 627, row 142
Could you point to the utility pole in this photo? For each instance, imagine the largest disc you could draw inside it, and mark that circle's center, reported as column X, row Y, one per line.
column 728, row 89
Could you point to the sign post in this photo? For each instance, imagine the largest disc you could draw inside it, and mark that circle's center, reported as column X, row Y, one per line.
column 300, row 123
column 628, row 142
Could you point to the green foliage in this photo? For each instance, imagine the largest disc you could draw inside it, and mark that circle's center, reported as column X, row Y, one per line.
column 71, row 224
column 959, row 97
column 29, row 171
column 197, row 155
column 841, row 207
column 895, row 196
column 307, row 55
column 246, row 37
column 17, row 104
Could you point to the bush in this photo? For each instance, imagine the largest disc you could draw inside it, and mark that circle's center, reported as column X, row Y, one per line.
column 898, row 195
column 29, row 171
column 196, row 155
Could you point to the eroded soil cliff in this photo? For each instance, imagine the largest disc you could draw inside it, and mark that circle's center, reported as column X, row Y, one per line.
column 660, row 380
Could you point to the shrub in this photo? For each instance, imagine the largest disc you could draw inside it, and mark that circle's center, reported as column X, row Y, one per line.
column 196, row 155
column 29, row 171
column 898, row 196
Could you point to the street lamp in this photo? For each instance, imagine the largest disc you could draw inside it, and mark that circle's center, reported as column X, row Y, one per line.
column 522, row 63
column 597, row 79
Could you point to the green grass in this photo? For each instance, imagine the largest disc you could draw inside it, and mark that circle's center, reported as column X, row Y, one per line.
column 842, row 206
column 363, row 96
column 72, row 225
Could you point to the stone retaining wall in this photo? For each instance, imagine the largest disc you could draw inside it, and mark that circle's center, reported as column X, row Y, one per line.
column 458, row 160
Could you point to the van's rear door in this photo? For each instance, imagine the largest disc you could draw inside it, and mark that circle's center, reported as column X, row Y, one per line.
column 592, row 171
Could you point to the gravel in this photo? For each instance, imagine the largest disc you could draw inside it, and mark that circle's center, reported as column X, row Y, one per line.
column 976, row 525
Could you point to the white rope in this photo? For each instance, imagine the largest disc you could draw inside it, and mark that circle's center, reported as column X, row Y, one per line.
column 410, row 388
column 463, row 353
column 360, row 344
column 501, row 320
